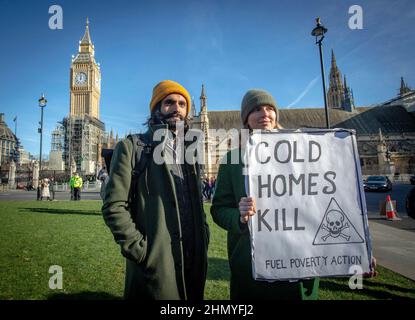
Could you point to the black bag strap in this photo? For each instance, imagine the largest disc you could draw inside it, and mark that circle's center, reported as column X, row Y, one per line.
column 107, row 155
column 140, row 146
column 142, row 151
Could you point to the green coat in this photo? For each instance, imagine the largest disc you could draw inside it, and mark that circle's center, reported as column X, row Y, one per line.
column 72, row 181
column 230, row 188
column 150, row 238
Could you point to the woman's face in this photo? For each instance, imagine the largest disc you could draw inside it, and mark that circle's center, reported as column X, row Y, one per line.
column 263, row 118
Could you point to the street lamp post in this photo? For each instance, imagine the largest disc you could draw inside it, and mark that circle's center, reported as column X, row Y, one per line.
column 42, row 104
column 319, row 32
column 17, row 147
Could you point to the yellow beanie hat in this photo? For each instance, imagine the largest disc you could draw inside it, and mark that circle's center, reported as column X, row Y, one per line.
column 166, row 87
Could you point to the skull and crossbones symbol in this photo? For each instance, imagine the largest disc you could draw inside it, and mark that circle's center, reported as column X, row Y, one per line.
column 335, row 225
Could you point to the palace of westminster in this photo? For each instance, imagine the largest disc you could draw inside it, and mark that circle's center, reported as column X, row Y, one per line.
column 385, row 132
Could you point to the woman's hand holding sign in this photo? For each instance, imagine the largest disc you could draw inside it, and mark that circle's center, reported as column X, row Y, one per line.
column 246, row 208
column 372, row 273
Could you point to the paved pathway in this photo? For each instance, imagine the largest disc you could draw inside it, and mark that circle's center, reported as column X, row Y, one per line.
column 394, row 248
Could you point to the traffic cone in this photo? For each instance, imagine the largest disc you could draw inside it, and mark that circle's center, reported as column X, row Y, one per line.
column 390, row 210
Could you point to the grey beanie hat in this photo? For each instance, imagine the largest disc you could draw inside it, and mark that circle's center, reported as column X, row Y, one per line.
column 254, row 98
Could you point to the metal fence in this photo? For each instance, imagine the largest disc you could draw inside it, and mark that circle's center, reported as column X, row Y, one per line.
column 24, row 178
column 401, row 173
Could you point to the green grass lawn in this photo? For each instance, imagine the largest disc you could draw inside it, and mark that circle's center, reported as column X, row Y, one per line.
column 36, row 235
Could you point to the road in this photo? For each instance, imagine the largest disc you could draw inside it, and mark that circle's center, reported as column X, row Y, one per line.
column 398, row 193
column 31, row 195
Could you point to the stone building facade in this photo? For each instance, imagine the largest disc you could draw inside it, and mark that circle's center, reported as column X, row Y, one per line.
column 8, row 142
column 385, row 133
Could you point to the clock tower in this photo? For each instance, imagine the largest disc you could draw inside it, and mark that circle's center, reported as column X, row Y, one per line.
column 85, row 80
column 84, row 131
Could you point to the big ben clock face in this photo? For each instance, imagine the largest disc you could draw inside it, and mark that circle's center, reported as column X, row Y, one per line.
column 80, row 78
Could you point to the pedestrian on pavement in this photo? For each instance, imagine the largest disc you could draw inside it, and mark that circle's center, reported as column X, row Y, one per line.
column 52, row 188
column 76, row 185
column 212, row 185
column 45, row 189
column 103, row 177
column 205, row 188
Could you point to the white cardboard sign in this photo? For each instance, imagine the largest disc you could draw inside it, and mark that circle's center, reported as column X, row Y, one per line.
column 311, row 217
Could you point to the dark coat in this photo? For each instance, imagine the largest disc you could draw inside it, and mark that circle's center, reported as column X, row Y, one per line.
column 230, row 188
column 151, row 237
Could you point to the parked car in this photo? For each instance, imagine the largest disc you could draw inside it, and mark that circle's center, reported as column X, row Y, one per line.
column 20, row 186
column 412, row 179
column 377, row 183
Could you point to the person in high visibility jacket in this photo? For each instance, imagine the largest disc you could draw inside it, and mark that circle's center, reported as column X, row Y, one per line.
column 76, row 185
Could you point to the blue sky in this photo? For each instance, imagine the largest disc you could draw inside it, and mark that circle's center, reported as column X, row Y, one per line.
column 230, row 46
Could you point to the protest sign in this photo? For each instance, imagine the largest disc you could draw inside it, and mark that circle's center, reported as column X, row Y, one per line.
column 311, row 217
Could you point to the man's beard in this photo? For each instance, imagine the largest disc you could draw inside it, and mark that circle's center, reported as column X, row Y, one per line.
column 173, row 124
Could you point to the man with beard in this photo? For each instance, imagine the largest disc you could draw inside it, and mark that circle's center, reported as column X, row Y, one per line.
column 160, row 224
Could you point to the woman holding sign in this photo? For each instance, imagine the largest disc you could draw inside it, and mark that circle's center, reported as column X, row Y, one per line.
column 231, row 209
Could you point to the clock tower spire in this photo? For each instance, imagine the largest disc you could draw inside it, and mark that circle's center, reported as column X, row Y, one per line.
column 86, row 44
